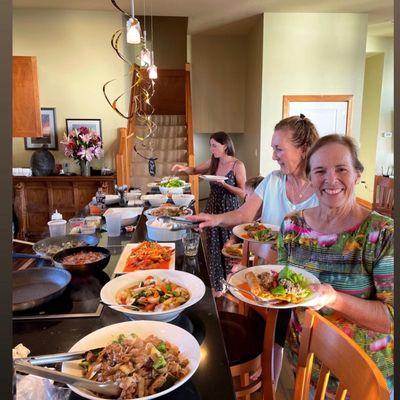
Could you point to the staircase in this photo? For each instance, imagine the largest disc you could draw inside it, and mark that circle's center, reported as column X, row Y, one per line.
column 173, row 140
column 170, row 145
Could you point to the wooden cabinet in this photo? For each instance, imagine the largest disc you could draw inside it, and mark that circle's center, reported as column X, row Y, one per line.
column 25, row 98
column 35, row 199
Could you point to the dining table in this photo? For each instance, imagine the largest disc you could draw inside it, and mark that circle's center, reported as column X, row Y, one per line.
column 212, row 379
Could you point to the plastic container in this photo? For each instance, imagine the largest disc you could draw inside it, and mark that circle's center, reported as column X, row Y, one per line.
column 76, row 222
column 56, row 216
column 57, row 227
column 93, row 220
column 88, row 229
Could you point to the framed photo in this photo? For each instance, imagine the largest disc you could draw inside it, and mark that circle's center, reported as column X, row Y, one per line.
column 49, row 137
column 329, row 113
column 94, row 124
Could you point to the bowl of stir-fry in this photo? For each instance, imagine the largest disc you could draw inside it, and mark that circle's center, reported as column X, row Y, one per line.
column 157, row 294
column 148, row 359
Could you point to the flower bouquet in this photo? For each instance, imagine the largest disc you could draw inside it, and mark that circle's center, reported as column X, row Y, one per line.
column 83, row 145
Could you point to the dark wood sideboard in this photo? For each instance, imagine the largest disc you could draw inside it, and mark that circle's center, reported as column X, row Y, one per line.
column 36, row 197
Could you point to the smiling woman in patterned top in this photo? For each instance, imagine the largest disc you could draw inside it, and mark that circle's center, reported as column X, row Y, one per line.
column 350, row 250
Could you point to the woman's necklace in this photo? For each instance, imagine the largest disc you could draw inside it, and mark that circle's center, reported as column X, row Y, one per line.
column 300, row 193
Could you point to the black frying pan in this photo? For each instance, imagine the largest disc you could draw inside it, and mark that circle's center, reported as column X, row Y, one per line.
column 33, row 287
column 83, row 268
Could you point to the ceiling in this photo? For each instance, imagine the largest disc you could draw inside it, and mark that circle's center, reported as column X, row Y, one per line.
column 222, row 16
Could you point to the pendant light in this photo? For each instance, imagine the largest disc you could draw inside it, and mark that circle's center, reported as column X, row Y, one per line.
column 133, row 31
column 152, row 70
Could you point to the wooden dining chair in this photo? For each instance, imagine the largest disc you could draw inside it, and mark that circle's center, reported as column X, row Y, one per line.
column 383, row 200
column 359, row 377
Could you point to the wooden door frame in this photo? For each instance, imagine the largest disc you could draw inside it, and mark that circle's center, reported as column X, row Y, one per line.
column 321, row 98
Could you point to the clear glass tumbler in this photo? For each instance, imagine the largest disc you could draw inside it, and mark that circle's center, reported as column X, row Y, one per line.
column 191, row 242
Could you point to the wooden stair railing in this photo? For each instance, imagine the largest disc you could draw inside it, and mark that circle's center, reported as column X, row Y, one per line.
column 193, row 179
column 123, row 157
column 125, row 139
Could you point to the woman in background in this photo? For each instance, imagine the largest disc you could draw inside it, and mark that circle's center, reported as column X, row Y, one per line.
column 224, row 197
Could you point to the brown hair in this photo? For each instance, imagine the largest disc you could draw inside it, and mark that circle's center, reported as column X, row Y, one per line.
column 252, row 183
column 304, row 132
column 224, row 139
column 339, row 139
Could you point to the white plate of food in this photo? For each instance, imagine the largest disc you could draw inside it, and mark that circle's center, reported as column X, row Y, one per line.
column 168, row 211
column 146, row 256
column 235, row 251
column 211, row 178
column 257, row 232
column 166, row 349
column 271, row 282
column 159, row 295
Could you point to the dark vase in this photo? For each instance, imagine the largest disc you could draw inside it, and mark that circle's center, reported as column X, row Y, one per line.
column 42, row 162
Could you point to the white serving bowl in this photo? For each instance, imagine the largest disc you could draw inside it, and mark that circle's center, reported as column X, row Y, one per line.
column 155, row 199
column 171, row 190
column 161, row 234
column 150, row 217
column 182, row 199
column 129, row 215
column 102, row 337
column 192, row 283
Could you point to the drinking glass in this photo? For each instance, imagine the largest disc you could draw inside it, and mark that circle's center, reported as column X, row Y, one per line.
column 113, row 221
column 190, row 242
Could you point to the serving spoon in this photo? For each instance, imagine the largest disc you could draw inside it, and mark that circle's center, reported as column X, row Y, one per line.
column 109, row 389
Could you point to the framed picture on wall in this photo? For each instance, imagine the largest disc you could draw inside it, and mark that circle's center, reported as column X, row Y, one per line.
column 329, row 113
column 49, row 137
column 93, row 124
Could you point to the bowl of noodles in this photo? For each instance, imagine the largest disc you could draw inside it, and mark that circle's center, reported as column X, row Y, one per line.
column 158, row 294
column 148, row 359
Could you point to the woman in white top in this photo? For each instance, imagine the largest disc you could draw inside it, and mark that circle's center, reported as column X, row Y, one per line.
column 282, row 191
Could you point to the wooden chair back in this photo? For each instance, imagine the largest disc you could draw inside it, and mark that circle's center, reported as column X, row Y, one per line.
column 358, row 376
column 383, row 201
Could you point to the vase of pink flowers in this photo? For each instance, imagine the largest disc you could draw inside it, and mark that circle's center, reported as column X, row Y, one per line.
column 83, row 145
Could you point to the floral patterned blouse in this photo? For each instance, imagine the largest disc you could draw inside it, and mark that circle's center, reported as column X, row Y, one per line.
column 358, row 262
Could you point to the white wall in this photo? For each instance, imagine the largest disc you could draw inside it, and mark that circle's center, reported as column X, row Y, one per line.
column 310, row 54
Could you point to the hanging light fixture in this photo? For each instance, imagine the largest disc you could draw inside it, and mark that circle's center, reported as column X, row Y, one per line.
column 145, row 55
column 152, row 70
column 133, row 31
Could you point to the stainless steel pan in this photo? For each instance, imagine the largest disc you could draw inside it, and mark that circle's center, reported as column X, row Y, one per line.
column 33, row 287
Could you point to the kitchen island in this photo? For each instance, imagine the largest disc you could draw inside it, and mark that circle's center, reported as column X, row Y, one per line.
column 212, row 380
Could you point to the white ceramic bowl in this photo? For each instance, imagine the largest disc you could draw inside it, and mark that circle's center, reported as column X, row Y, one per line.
column 171, row 190
column 155, row 199
column 186, row 343
column 182, row 199
column 129, row 215
column 192, row 283
column 150, row 217
column 160, row 234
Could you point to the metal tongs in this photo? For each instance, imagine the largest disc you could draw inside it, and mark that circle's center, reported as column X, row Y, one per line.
column 29, row 365
column 177, row 223
column 257, row 299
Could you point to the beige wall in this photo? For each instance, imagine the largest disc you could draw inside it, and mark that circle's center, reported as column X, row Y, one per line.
column 218, row 83
column 75, row 59
column 250, row 141
column 310, row 54
column 370, row 123
column 385, row 148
